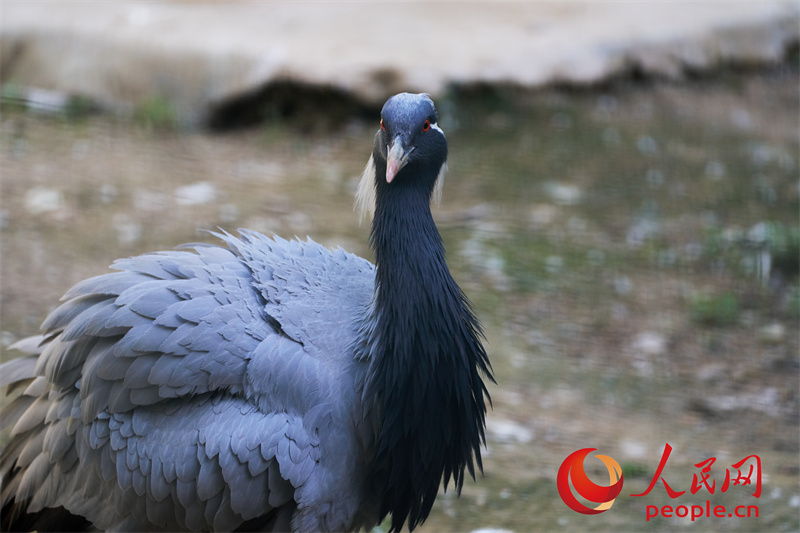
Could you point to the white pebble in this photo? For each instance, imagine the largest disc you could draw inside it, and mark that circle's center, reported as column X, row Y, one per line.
column 43, row 200
column 198, row 193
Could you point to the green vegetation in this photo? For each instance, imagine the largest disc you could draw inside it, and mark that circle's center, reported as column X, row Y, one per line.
column 157, row 113
column 715, row 310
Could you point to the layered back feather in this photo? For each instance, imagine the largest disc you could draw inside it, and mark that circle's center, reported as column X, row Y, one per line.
column 193, row 390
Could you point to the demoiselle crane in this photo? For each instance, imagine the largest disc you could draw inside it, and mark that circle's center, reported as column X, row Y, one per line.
column 261, row 385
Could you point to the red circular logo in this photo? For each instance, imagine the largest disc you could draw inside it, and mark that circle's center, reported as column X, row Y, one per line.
column 572, row 470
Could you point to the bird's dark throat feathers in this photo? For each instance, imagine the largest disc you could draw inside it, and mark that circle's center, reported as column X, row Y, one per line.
column 425, row 375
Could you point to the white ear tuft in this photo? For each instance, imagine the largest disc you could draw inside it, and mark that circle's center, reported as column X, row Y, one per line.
column 365, row 194
column 437, row 188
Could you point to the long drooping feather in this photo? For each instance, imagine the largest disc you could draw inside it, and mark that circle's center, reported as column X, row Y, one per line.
column 426, row 374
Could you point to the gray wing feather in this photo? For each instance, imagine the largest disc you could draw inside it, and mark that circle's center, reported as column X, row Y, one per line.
column 33, row 416
column 19, row 369
column 13, row 411
column 326, row 290
column 196, row 383
column 64, row 314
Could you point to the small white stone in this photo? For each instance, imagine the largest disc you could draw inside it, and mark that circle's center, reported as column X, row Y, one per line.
column 108, row 193
column 562, row 193
column 772, row 333
column 623, row 285
column 43, row 200
column 647, row 145
column 508, row 431
column 198, row 193
column 650, row 342
column 553, row 264
column 633, row 449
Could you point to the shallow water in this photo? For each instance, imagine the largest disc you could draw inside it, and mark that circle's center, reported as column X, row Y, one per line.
column 631, row 251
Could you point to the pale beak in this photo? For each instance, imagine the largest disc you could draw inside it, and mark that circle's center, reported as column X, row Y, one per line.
column 396, row 158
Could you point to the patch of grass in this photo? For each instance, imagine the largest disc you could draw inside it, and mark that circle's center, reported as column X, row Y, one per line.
column 11, row 98
column 77, row 109
column 783, row 242
column 793, row 302
column 766, row 248
column 158, row 113
column 715, row 310
column 630, row 470
column 73, row 109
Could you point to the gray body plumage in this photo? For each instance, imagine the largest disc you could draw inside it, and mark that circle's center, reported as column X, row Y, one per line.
column 263, row 337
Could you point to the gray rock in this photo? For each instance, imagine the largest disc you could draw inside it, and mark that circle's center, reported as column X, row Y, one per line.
column 197, row 55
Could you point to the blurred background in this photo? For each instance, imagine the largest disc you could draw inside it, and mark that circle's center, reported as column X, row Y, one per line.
column 622, row 205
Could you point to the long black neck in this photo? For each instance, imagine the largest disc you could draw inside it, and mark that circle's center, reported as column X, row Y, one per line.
column 425, row 376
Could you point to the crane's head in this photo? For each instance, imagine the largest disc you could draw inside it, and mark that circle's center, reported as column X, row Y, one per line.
column 410, row 135
column 409, row 149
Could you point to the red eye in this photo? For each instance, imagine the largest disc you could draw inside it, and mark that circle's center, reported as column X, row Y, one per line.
column 382, row 126
column 426, row 126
